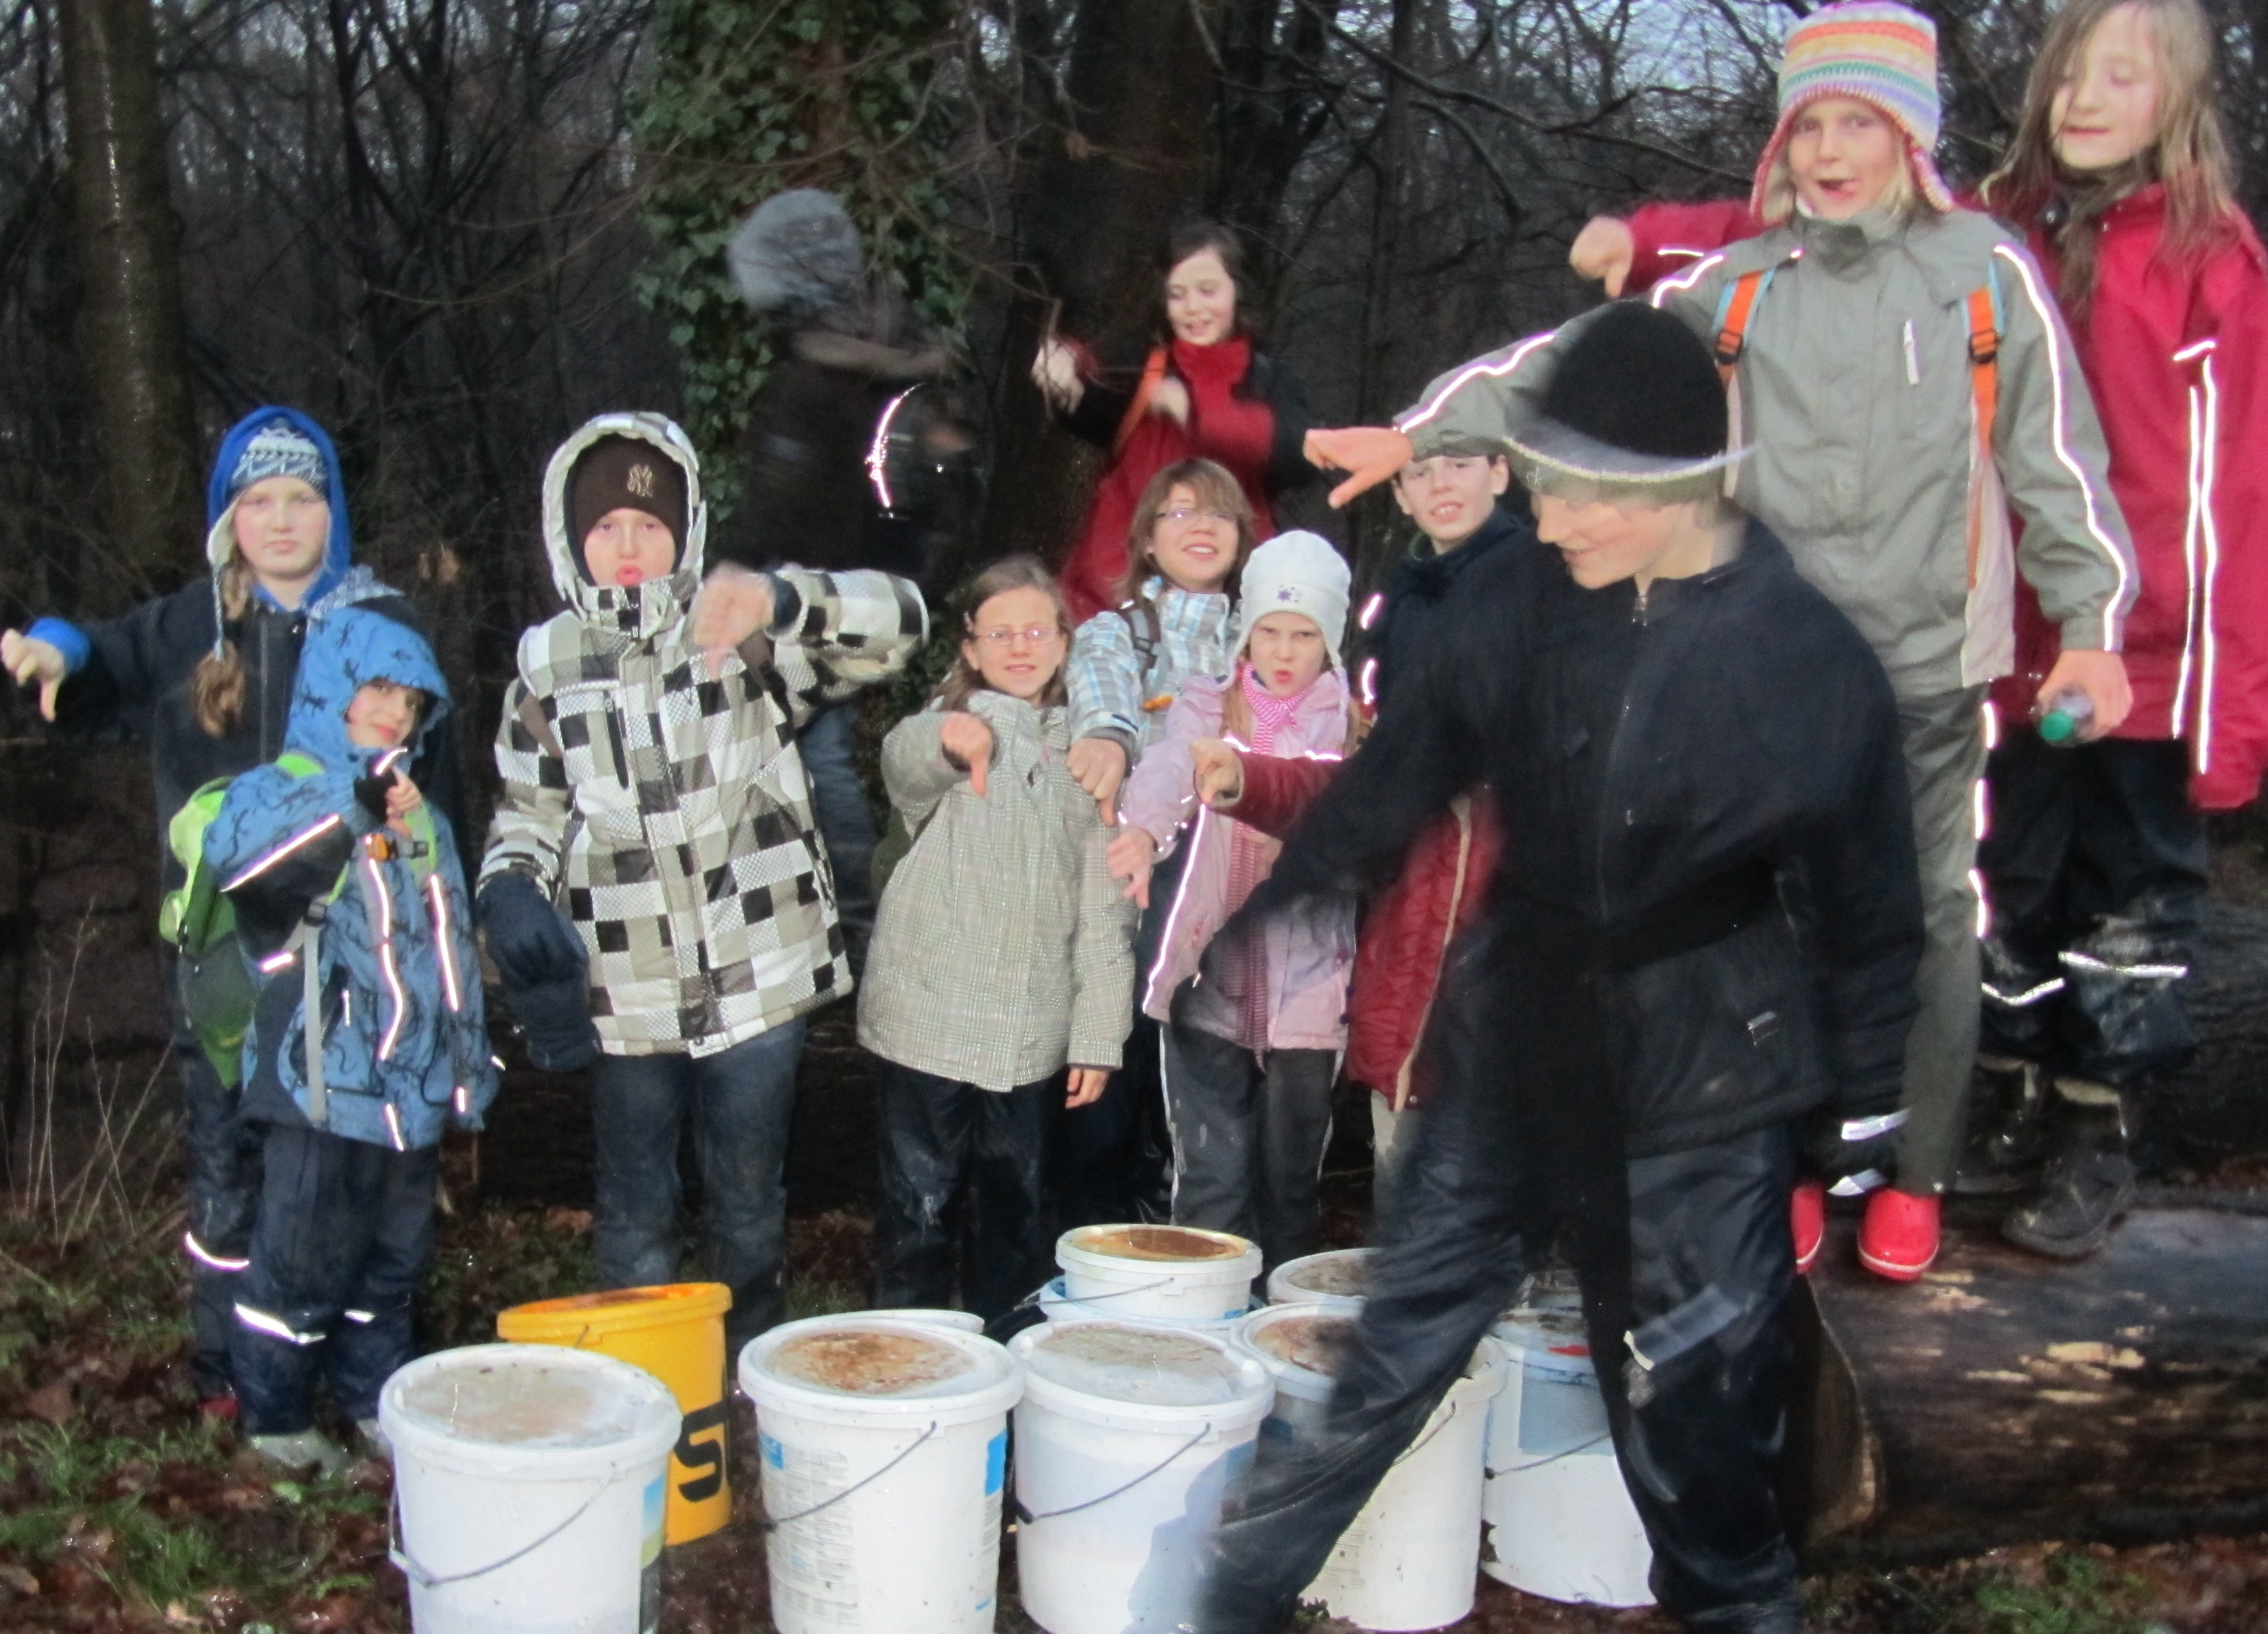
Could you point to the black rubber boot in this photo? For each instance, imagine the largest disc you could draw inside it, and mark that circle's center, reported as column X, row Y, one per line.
column 1783, row 1616
column 2090, row 1184
column 2008, row 1130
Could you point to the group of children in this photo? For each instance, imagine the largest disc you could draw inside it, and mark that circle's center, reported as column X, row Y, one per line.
column 1091, row 812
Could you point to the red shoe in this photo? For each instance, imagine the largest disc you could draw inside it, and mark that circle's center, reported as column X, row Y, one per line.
column 220, row 1409
column 1807, row 1218
column 1898, row 1239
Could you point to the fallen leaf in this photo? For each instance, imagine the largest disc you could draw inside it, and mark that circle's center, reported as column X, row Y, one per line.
column 53, row 1403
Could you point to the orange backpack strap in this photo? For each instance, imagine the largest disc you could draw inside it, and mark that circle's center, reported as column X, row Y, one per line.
column 1984, row 388
column 1153, row 370
column 1739, row 305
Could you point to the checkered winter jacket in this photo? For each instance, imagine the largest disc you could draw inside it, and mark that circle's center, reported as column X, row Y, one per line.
column 668, row 813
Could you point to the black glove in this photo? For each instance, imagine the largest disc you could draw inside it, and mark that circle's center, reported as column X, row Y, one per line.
column 1855, row 1154
column 370, row 793
column 530, row 940
column 546, row 973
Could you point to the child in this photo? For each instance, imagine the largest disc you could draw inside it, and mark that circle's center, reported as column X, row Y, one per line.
column 1255, row 1020
column 1638, row 1041
column 368, row 1039
column 204, row 676
column 653, row 792
column 1001, row 950
column 1904, row 378
column 1170, row 620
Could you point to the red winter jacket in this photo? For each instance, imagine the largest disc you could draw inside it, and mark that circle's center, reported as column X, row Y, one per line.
column 2176, row 358
column 1406, row 931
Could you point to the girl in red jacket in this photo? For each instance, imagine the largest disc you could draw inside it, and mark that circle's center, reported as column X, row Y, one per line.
column 2095, row 855
column 1205, row 391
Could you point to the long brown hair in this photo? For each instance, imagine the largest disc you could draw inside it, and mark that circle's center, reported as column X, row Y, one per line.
column 216, row 684
column 2191, row 154
column 1216, row 489
column 1008, row 573
column 1195, row 238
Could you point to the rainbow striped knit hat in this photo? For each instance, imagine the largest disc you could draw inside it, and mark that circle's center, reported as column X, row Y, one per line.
column 1881, row 53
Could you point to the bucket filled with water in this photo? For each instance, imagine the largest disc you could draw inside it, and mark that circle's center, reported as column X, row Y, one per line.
column 1126, row 1439
column 529, row 1480
column 882, row 1447
column 1561, row 1523
column 1178, row 1272
column 1408, row 1560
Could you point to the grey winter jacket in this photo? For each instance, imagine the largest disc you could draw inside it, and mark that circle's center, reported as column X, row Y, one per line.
column 667, row 811
column 1003, row 947
column 1856, row 391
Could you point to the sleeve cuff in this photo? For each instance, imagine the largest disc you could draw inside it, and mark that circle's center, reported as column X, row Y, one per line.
column 2086, row 635
column 66, row 639
column 787, row 606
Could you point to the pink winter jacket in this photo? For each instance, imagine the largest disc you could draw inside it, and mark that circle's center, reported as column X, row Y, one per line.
column 1310, row 947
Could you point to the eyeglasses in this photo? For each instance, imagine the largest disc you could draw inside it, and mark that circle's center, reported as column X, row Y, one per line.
column 1196, row 516
column 1038, row 636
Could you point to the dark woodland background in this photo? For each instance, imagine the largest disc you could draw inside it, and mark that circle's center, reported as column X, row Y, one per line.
column 452, row 229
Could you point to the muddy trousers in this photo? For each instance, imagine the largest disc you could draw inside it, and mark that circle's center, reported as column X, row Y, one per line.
column 740, row 1100
column 1944, row 746
column 345, row 1233
column 1249, row 1132
column 2096, row 863
column 223, row 1157
column 931, row 1135
column 1698, row 1429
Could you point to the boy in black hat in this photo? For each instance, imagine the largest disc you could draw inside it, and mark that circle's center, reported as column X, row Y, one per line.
column 1635, row 1044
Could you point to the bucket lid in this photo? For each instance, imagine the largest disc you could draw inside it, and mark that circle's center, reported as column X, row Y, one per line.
column 1153, row 1250
column 528, row 1400
column 572, row 1319
column 1114, row 1371
column 1335, row 1274
column 1549, row 1336
column 880, row 1364
column 1057, row 1306
column 1302, row 1345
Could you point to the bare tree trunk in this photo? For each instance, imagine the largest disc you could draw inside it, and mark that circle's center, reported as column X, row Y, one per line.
column 1137, row 152
column 136, row 362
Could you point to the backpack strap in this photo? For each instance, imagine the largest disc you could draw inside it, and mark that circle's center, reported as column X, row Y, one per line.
column 1734, row 311
column 1147, row 634
column 305, row 945
column 1984, row 307
column 1154, row 370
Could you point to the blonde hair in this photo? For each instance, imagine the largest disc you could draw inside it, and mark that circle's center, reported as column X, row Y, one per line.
column 2189, row 154
column 1009, row 573
column 1216, row 489
column 1902, row 196
column 217, row 685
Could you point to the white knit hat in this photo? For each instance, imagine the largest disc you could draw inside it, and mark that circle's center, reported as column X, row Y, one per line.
column 1296, row 572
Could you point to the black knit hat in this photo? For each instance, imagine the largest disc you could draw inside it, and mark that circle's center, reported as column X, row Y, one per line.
column 1629, row 406
column 618, row 472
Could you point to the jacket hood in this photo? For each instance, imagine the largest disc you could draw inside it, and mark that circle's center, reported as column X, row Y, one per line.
column 220, row 534
column 644, row 611
column 346, row 649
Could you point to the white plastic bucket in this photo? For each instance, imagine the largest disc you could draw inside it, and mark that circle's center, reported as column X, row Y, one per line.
column 883, row 1446
column 1337, row 1277
column 1058, row 1307
column 964, row 1321
column 1407, row 1559
column 529, row 1480
column 1561, row 1523
column 1126, row 1438
column 1177, row 1271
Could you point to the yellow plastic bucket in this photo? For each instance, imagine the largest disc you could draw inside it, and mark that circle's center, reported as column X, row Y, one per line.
column 677, row 1333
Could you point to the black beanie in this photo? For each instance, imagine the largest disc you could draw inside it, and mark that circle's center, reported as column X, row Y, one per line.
column 618, row 472
column 1638, row 380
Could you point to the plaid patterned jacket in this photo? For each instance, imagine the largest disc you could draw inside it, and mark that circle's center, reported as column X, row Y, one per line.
column 1003, row 948
column 668, row 812
column 1112, row 695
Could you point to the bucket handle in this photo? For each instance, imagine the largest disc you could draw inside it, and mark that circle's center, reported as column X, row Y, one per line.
column 774, row 1526
column 1426, row 1440
column 1581, row 1447
column 1025, row 1517
column 1144, row 1287
column 398, row 1554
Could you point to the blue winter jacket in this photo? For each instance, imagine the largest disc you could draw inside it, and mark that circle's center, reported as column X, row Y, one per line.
column 404, row 1041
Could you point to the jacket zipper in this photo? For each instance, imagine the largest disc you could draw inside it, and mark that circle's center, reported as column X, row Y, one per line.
column 1607, row 772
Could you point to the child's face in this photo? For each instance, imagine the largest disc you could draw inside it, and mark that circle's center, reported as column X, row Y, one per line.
column 383, row 715
column 1450, row 495
column 2106, row 110
column 1604, row 542
column 1842, row 155
column 627, row 548
column 1193, row 544
column 1201, row 299
column 282, row 529
column 1016, row 643
column 1287, row 652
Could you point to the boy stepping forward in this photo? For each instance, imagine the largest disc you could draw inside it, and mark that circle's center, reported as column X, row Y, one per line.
column 368, row 1038
column 655, row 894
